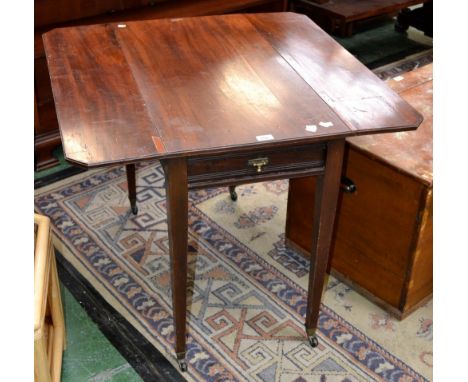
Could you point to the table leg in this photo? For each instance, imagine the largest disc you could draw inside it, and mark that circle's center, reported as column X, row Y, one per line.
column 346, row 29
column 177, row 221
column 233, row 193
column 131, row 184
column 326, row 197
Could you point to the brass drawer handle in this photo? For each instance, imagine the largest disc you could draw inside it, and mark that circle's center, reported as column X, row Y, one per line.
column 258, row 163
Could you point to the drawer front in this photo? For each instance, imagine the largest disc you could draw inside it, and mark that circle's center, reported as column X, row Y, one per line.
column 259, row 163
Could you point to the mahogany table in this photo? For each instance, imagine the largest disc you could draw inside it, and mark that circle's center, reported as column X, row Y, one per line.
column 220, row 101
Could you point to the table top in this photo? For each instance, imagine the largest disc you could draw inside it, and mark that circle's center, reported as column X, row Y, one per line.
column 410, row 152
column 194, row 86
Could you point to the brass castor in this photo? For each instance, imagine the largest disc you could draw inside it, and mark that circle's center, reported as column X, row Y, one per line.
column 233, row 193
column 182, row 364
column 181, row 361
column 313, row 340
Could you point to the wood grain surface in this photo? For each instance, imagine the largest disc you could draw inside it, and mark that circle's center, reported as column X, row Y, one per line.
column 398, row 150
column 50, row 14
column 208, row 85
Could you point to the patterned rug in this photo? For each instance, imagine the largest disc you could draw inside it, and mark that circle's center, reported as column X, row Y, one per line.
column 247, row 291
column 405, row 65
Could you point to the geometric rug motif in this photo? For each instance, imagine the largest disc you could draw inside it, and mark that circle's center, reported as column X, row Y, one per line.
column 246, row 291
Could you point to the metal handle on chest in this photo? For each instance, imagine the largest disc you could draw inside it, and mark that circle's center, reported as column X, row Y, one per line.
column 347, row 185
column 258, row 163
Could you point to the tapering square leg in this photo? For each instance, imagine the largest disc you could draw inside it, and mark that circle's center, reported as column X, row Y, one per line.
column 326, row 198
column 131, row 184
column 177, row 222
column 233, row 193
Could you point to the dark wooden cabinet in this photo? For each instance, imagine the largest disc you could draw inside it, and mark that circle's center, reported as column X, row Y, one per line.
column 50, row 14
column 340, row 16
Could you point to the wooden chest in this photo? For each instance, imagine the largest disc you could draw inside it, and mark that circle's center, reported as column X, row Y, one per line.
column 383, row 231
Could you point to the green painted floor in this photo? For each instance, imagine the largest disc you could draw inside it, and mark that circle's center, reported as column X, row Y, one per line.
column 381, row 44
column 58, row 153
column 89, row 356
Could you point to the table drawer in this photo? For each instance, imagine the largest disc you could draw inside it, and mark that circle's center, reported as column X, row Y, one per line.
column 258, row 163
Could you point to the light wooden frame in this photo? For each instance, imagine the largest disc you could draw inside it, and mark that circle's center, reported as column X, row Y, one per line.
column 49, row 325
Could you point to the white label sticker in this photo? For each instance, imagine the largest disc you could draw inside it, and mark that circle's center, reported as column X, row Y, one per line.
column 266, row 137
column 398, row 78
column 121, row 25
column 311, row 128
column 326, row 124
